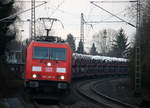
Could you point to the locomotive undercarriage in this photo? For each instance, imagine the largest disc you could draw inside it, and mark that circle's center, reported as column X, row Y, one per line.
column 46, row 88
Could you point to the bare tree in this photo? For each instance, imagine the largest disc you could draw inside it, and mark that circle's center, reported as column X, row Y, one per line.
column 103, row 40
column 132, row 9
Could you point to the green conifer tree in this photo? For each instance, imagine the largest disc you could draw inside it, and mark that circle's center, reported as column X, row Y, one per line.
column 71, row 41
column 80, row 48
column 93, row 50
column 120, row 46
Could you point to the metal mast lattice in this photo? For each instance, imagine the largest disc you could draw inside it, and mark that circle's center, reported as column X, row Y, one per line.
column 33, row 30
column 138, row 50
column 82, row 29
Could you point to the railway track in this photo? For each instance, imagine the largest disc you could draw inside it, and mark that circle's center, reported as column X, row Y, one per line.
column 37, row 105
column 89, row 96
column 94, row 88
column 30, row 102
column 88, row 89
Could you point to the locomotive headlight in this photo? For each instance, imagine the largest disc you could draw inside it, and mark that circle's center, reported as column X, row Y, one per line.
column 36, row 68
column 61, row 70
column 62, row 77
column 48, row 64
column 34, row 75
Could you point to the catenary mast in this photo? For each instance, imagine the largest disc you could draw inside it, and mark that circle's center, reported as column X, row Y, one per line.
column 33, row 28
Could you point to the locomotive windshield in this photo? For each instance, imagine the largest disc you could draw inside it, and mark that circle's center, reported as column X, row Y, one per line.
column 58, row 54
column 40, row 53
column 49, row 53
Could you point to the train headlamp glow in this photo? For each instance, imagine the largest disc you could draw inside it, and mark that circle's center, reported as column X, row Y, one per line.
column 62, row 77
column 48, row 64
column 61, row 70
column 34, row 75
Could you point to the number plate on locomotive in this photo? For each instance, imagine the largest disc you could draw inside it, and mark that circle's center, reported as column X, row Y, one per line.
column 48, row 69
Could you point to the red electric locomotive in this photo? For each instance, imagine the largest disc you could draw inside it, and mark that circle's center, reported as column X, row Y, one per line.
column 48, row 66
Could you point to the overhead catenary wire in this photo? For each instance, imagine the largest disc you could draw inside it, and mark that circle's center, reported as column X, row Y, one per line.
column 92, row 23
column 92, row 2
column 115, row 14
column 28, row 1
column 57, row 7
column 18, row 13
column 112, row 1
column 65, row 12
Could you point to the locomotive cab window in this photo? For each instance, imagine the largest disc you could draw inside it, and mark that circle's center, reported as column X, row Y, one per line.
column 49, row 53
column 40, row 53
column 58, row 54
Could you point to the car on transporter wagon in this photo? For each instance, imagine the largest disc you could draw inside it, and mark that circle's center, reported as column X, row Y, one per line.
column 48, row 67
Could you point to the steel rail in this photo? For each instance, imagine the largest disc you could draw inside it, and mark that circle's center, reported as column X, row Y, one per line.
column 106, row 101
column 83, row 94
column 94, row 89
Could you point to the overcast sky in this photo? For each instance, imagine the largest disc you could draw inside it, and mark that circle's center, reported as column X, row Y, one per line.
column 69, row 12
